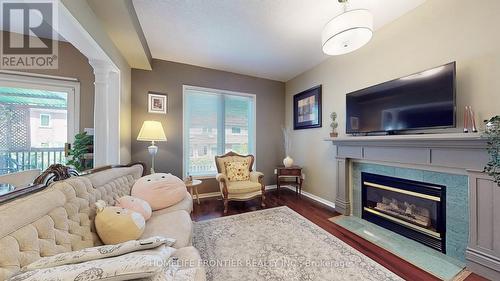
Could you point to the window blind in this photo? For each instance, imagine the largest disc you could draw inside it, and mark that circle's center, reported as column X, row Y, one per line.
column 215, row 122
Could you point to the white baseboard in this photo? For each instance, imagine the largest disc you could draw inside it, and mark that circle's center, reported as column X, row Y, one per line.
column 305, row 193
column 271, row 187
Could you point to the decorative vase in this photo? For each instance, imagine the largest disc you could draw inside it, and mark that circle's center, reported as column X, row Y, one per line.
column 334, row 134
column 288, row 162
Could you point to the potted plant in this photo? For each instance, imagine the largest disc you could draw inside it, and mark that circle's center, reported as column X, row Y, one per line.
column 334, row 125
column 492, row 133
column 79, row 150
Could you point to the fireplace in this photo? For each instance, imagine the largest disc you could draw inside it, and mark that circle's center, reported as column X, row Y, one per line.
column 410, row 208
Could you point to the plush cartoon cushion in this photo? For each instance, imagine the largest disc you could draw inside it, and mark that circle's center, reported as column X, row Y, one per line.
column 160, row 190
column 116, row 225
column 135, row 204
column 237, row 171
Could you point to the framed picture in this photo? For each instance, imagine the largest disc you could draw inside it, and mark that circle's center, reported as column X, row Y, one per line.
column 307, row 109
column 157, row 103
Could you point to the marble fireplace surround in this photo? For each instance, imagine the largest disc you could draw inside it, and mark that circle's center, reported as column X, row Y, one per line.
column 456, row 153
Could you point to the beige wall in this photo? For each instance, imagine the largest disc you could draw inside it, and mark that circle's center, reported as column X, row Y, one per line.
column 437, row 32
column 74, row 64
column 168, row 77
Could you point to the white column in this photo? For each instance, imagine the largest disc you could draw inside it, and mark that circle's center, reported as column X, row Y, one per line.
column 106, row 114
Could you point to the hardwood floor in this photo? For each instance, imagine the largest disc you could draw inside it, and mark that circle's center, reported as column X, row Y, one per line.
column 319, row 214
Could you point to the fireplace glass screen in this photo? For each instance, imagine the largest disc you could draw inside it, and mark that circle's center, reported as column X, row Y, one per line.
column 415, row 208
column 410, row 208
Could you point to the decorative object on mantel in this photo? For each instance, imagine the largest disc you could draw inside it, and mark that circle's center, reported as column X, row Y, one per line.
column 307, row 109
column 469, row 120
column 288, row 161
column 348, row 31
column 152, row 131
column 334, row 125
column 492, row 133
column 157, row 103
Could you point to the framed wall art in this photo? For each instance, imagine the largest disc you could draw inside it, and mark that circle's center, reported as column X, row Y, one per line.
column 157, row 103
column 307, row 109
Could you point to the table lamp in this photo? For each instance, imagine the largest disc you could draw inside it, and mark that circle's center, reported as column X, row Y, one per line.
column 152, row 131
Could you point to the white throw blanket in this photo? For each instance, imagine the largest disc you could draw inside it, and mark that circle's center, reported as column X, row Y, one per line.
column 148, row 259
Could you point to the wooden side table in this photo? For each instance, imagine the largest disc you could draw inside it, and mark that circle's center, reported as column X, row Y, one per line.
column 194, row 185
column 283, row 174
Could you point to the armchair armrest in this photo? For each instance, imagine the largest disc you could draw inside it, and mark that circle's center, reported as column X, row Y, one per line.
column 221, row 177
column 256, row 176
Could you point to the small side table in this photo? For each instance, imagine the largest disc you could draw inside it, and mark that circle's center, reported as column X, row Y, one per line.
column 194, row 185
column 295, row 172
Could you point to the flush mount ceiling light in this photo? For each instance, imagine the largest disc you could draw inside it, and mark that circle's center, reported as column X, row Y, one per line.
column 347, row 32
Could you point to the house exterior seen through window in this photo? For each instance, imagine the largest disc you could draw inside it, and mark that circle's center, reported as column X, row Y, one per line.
column 33, row 128
column 215, row 122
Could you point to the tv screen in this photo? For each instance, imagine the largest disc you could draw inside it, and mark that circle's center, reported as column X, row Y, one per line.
column 419, row 101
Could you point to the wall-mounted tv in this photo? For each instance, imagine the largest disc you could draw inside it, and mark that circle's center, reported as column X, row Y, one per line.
column 424, row 100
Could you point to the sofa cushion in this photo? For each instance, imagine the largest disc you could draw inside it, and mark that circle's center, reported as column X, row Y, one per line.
column 176, row 225
column 186, row 205
column 135, row 204
column 160, row 190
column 117, row 225
column 237, row 187
column 190, row 257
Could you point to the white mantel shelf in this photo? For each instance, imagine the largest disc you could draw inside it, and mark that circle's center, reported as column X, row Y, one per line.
column 457, row 140
column 459, row 151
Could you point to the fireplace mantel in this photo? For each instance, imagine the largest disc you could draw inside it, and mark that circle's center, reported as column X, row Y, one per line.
column 456, row 151
column 461, row 151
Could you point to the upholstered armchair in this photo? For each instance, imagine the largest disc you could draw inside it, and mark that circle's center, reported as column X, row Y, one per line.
column 242, row 186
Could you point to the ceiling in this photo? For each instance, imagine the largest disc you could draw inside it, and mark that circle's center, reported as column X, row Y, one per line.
column 274, row 39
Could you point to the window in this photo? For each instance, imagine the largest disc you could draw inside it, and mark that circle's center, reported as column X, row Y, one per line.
column 38, row 115
column 236, row 130
column 230, row 117
column 44, row 120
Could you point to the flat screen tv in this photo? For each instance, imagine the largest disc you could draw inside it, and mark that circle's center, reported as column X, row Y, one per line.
column 423, row 100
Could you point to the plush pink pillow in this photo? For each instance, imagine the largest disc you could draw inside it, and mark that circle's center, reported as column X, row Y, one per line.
column 160, row 190
column 135, row 204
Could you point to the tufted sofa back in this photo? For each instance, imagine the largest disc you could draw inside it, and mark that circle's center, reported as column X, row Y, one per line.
column 58, row 219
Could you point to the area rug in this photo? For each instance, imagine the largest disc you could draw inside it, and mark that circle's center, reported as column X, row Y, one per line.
column 279, row 244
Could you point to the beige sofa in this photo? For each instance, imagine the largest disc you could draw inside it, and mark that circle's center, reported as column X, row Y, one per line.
column 61, row 219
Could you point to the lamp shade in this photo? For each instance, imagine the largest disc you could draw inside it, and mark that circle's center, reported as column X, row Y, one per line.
column 347, row 32
column 151, row 131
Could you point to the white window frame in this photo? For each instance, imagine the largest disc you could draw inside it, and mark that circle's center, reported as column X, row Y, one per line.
column 70, row 86
column 186, row 88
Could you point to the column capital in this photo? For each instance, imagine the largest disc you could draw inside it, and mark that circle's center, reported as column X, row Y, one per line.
column 102, row 69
